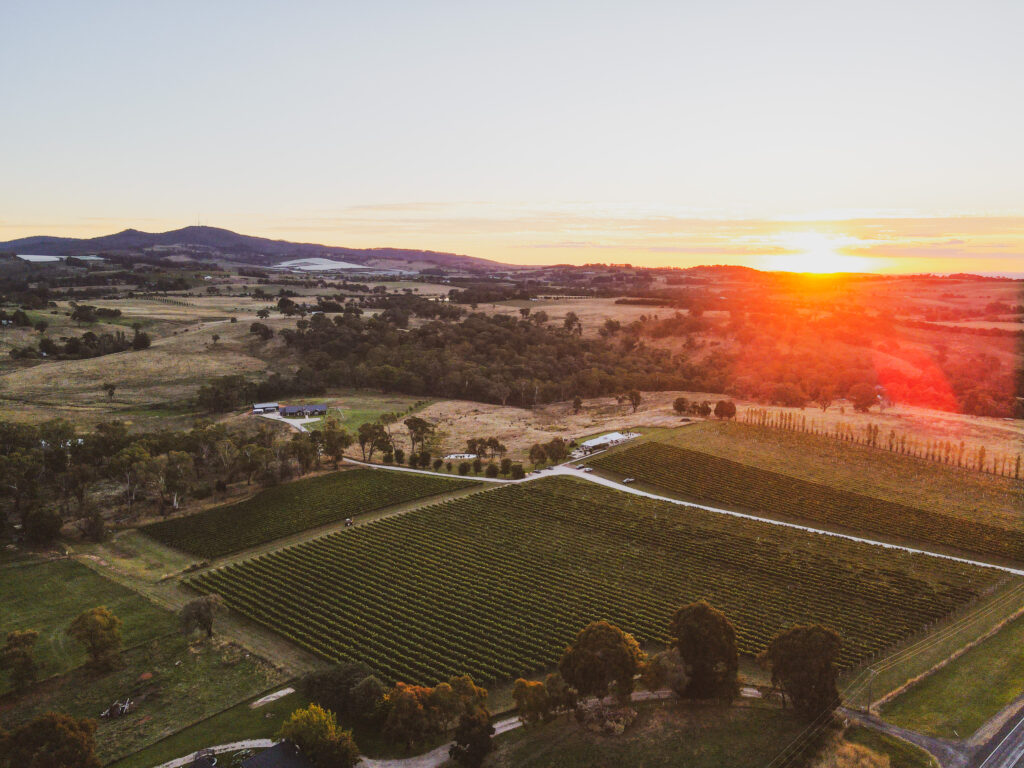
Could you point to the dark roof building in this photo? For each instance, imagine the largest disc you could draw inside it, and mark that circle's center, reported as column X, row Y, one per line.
column 281, row 755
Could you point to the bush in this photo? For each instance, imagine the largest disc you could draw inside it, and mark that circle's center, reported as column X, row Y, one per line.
column 464, row 468
column 492, row 470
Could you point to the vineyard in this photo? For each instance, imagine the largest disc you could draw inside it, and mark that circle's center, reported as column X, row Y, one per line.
column 713, row 479
column 497, row 583
column 295, row 507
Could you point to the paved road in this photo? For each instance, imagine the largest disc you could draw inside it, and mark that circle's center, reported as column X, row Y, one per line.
column 950, row 754
column 1006, row 750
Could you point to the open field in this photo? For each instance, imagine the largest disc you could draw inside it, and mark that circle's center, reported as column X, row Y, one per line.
column 700, row 476
column 664, row 734
column 858, row 468
column 901, row 754
column 956, row 700
column 183, row 683
column 293, row 507
column 519, row 428
column 507, row 576
column 48, row 595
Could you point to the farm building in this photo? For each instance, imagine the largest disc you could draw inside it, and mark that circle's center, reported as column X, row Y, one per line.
column 606, row 441
column 264, row 407
column 302, row 411
column 459, row 456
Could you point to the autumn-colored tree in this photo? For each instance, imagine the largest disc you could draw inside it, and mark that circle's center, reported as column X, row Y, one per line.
column 602, row 658
column 634, row 399
column 16, row 658
column 98, row 630
column 52, row 740
column 314, row 730
column 802, row 660
column 680, row 405
column 531, row 698
column 707, row 643
column 408, row 716
column 725, row 409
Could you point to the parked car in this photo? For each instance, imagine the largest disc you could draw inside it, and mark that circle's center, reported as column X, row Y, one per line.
column 628, row 480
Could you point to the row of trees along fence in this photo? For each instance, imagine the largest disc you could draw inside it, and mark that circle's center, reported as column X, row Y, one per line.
column 942, row 451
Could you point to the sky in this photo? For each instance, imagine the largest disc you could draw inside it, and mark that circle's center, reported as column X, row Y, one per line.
column 862, row 135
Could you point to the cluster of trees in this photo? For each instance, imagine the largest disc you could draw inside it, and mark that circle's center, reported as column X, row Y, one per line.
column 409, row 714
column 48, row 474
column 89, row 344
column 497, row 359
column 551, row 452
column 701, row 663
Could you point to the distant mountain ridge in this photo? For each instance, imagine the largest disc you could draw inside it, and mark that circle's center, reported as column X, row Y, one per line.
column 216, row 242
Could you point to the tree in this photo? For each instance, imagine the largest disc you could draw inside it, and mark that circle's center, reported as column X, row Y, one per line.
column 707, row 643
column 419, row 431
column 129, row 466
column 725, row 409
column 531, row 698
column 52, row 740
column 109, row 387
column 572, row 323
column 372, row 437
column 16, row 658
column 517, row 472
column 315, row 732
column 680, row 405
column 802, row 660
column 491, row 470
column 863, row 396
column 577, row 404
column 216, row 338
column 408, row 720
column 602, row 658
column 538, row 455
column 42, row 526
column 262, row 314
column 363, row 699
column 333, row 688
column 141, row 340
column 666, row 670
column 825, row 397
column 634, row 399
column 98, row 630
column 198, row 614
column 472, row 739
column 464, row 467
column 336, row 441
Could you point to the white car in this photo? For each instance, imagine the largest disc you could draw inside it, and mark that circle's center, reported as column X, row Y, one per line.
column 588, row 469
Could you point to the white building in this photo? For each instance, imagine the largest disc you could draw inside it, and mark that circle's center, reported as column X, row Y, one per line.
column 606, row 441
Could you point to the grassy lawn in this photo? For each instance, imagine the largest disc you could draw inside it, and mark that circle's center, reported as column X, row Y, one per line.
column 184, row 683
column 234, row 724
column 957, row 699
column 902, row 754
column 857, row 468
column 356, row 407
column 46, row 596
column 664, row 734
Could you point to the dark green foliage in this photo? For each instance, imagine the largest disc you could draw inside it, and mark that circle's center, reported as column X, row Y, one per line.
column 16, row 658
column 602, row 659
column 52, row 740
column 344, row 689
column 706, row 641
column 294, row 507
column 710, row 478
column 802, row 660
column 472, row 739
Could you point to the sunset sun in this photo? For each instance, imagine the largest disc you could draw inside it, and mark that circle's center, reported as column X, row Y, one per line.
column 815, row 252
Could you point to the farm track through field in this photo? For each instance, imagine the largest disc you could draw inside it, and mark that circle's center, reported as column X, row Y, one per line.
column 702, row 476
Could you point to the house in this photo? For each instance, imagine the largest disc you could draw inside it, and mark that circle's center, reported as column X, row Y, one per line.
column 606, row 441
column 264, row 407
column 316, row 410
column 292, row 411
column 281, row 755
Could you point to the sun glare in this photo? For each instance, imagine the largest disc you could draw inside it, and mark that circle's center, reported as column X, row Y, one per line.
column 815, row 252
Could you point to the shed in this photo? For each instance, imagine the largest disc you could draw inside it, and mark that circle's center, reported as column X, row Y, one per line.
column 264, row 407
column 282, row 755
column 606, row 441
